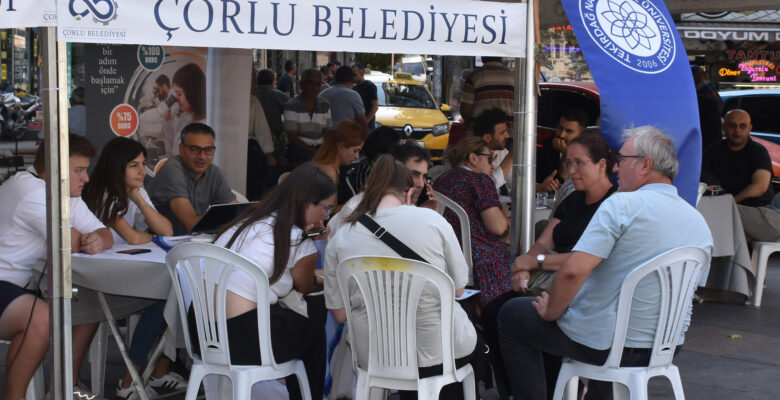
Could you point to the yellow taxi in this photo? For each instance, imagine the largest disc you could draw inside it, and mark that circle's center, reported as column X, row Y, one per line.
column 408, row 107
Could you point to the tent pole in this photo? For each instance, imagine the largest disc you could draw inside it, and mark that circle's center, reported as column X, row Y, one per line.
column 57, row 211
column 524, row 150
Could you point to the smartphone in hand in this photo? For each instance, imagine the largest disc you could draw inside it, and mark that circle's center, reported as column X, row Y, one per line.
column 316, row 233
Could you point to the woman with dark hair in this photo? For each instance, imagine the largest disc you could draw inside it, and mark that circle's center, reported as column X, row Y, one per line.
column 189, row 88
column 379, row 141
column 589, row 162
column 470, row 185
column 115, row 194
column 340, row 147
column 272, row 233
column 387, row 200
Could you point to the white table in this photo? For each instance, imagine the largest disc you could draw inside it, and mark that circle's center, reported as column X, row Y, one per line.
column 731, row 269
column 119, row 284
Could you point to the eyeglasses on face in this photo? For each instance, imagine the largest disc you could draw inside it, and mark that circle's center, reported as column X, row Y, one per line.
column 328, row 208
column 196, row 150
column 489, row 156
column 568, row 164
column 621, row 157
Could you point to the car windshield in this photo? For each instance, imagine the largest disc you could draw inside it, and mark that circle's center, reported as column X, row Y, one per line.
column 415, row 68
column 403, row 95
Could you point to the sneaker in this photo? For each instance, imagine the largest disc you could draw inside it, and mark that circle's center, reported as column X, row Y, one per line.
column 131, row 393
column 80, row 392
column 168, row 384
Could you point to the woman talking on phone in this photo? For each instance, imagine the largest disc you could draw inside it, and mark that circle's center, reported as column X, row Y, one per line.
column 276, row 234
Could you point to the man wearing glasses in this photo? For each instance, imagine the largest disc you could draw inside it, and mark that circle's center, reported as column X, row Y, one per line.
column 188, row 183
column 577, row 318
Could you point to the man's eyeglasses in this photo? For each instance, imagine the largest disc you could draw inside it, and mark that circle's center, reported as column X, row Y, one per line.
column 489, row 156
column 196, row 150
column 621, row 157
column 575, row 163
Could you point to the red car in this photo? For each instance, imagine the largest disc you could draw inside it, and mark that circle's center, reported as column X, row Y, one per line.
column 555, row 98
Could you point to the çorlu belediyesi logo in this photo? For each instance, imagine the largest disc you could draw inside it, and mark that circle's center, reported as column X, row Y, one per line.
column 102, row 11
column 634, row 33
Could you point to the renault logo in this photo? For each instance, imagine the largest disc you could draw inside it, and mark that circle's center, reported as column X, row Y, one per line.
column 408, row 130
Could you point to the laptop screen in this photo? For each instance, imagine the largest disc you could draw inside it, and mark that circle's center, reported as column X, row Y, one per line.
column 218, row 215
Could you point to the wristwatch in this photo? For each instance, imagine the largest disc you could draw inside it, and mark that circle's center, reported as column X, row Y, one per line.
column 540, row 260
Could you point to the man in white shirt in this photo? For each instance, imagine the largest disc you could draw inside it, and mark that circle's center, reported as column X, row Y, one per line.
column 22, row 243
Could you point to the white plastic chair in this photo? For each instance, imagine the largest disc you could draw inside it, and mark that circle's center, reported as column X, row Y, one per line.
column 205, row 269
column 391, row 288
column 702, row 189
column 35, row 389
column 678, row 272
column 760, row 257
column 239, row 197
column 465, row 229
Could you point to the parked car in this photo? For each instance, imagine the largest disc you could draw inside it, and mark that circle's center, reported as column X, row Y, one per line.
column 554, row 99
column 408, row 107
column 763, row 105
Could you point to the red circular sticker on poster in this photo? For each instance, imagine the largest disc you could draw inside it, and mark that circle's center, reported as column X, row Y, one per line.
column 124, row 120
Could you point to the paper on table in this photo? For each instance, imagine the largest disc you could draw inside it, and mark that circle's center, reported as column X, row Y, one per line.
column 466, row 294
column 156, row 255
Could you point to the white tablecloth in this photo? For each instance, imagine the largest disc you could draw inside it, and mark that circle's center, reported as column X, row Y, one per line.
column 731, row 269
column 130, row 283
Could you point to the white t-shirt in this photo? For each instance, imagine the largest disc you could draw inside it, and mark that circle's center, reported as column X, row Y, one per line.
column 257, row 244
column 23, row 225
column 134, row 216
column 498, row 173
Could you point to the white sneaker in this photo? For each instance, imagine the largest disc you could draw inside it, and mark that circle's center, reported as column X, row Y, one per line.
column 168, row 384
column 129, row 392
column 80, row 392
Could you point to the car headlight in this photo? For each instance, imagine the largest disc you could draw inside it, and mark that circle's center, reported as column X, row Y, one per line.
column 440, row 129
column 377, row 124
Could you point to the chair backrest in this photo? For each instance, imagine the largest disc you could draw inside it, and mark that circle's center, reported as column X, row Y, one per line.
column 702, row 189
column 239, row 197
column 391, row 288
column 205, row 269
column 678, row 273
column 465, row 228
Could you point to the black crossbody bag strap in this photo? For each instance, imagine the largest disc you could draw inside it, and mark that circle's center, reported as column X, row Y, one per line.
column 391, row 241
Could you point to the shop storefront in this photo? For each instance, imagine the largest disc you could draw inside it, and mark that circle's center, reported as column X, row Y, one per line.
column 18, row 64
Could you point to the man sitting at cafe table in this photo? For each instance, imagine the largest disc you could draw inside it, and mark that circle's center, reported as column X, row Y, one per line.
column 743, row 168
column 577, row 319
column 189, row 183
column 24, row 316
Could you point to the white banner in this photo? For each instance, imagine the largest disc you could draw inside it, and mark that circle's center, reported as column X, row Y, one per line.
column 452, row 27
column 27, row 13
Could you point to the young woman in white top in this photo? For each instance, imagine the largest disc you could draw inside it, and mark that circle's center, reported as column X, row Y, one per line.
column 116, row 195
column 272, row 233
column 387, row 199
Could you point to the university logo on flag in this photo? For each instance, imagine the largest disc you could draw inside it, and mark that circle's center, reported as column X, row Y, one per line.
column 634, row 33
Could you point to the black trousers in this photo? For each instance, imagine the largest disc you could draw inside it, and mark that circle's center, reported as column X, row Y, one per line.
column 293, row 336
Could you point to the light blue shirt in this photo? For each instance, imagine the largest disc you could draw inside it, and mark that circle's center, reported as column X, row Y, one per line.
column 345, row 103
column 629, row 229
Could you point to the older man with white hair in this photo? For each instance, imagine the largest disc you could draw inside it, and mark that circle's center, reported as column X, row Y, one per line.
column 577, row 319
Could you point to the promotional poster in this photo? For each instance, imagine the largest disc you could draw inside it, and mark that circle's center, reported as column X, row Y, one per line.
column 148, row 93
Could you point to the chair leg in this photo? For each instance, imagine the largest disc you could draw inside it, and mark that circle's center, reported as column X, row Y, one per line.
column 565, row 379
column 571, row 388
column 362, row 391
column 242, row 387
column 469, row 387
column 674, row 378
column 303, row 381
column 763, row 258
column 35, row 389
column 196, row 377
column 621, row 391
column 428, row 390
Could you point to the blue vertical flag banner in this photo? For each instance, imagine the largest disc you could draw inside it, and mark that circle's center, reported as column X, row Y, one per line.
column 642, row 72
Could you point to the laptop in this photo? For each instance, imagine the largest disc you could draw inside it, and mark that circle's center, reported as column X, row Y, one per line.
column 217, row 215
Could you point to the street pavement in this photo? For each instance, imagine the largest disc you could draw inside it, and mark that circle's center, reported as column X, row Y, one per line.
column 730, row 352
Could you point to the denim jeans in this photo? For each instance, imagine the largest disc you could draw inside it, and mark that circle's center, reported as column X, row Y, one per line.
column 150, row 327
